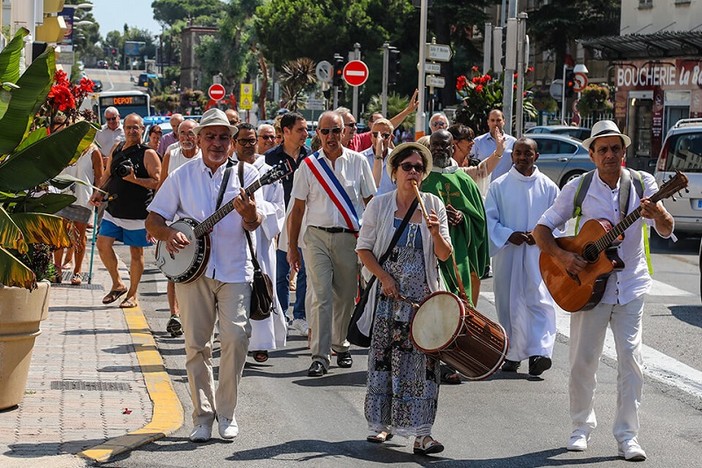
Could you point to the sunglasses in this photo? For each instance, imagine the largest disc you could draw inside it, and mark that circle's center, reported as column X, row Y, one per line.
column 246, row 142
column 325, row 131
column 409, row 166
column 352, row 124
column 438, row 123
column 384, row 135
column 267, row 137
column 110, row 119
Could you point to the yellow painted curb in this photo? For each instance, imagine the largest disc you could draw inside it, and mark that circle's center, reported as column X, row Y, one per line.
column 167, row 411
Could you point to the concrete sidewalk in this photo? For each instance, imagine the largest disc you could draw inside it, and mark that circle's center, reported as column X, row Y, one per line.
column 97, row 385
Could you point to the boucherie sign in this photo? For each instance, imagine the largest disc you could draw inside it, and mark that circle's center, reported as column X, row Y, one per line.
column 673, row 74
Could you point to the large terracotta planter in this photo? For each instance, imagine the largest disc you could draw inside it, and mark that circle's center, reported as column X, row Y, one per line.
column 21, row 311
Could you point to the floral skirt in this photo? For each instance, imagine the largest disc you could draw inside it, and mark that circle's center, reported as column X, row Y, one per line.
column 403, row 383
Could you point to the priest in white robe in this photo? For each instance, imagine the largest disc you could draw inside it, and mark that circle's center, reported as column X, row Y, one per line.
column 514, row 204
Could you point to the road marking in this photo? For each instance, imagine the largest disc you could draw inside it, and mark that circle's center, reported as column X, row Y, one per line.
column 657, row 365
column 659, row 288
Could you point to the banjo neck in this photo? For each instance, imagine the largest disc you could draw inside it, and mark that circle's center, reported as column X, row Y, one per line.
column 209, row 223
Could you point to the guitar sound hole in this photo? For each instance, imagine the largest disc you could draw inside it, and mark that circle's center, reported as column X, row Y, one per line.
column 590, row 253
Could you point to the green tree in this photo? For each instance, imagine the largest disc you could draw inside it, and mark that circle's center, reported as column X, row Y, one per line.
column 555, row 25
column 172, row 11
column 297, row 77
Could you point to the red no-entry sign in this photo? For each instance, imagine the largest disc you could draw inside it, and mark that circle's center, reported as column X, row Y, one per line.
column 216, row 92
column 355, row 73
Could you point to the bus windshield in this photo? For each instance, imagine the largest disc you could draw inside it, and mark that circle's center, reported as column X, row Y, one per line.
column 126, row 102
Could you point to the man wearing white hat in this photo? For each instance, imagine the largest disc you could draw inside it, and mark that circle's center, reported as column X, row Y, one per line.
column 622, row 303
column 223, row 292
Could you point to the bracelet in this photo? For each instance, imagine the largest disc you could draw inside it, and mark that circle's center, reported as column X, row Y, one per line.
column 379, row 157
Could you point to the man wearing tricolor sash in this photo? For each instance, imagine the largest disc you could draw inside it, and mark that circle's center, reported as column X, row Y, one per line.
column 331, row 189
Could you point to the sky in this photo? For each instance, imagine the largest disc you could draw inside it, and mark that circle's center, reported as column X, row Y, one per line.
column 112, row 14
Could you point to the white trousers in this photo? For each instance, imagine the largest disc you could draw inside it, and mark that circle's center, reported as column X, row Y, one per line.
column 587, row 334
column 332, row 269
column 202, row 303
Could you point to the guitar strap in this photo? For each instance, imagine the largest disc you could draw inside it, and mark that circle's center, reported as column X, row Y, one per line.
column 225, row 181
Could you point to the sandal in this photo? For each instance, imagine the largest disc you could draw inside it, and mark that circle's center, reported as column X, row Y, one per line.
column 113, row 295
column 450, row 377
column 260, row 356
column 129, row 303
column 379, row 438
column 76, row 279
column 425, row 445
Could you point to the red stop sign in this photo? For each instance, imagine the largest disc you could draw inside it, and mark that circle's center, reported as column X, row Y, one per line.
column 355, row 73
column 216, row 92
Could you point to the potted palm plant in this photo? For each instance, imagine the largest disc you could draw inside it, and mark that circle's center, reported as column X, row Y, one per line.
column 29, row 158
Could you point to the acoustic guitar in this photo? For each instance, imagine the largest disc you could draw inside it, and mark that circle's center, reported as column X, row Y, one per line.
column 190, row 262
column 596, row 243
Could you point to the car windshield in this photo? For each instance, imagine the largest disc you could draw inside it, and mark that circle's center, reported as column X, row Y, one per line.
column 685, row 153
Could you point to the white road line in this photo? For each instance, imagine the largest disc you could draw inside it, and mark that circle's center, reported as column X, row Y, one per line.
column 657, row 365
column 658, row 288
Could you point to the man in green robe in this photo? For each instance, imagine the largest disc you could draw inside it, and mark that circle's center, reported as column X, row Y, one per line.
column 465, row 211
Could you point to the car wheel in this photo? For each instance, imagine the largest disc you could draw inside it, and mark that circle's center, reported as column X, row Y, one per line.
column 570, row 176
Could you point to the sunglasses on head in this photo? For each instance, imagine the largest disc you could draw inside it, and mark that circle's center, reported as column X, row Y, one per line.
column 384, row 135
column 325, row 131
column 409, row 166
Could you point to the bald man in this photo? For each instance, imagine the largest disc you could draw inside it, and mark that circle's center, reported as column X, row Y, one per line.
column 170, row 138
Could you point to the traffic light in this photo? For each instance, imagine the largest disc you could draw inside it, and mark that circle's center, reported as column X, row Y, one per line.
column 394, row 67
column 569, row 82
column 339, row 63
column 114, row 51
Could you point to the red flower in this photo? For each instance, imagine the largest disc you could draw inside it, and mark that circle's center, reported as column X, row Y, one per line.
column 530, row 69
column 476, row 80
column 475, row 68
column 461, row 82
column 479, row 89
column 516, row 75
column 485, row 79
column 61, row 97
column 61, row 78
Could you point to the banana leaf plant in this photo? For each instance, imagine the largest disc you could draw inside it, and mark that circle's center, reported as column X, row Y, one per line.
column 29, row 159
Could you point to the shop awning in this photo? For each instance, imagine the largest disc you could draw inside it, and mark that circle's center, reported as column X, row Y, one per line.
column 661, row 44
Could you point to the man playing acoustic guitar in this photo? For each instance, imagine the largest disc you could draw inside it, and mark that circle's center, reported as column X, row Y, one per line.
column 622, row 302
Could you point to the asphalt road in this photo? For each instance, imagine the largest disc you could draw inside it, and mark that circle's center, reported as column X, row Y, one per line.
column 288, row 419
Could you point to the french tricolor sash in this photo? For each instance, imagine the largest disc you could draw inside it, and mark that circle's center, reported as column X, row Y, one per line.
column 326, row 177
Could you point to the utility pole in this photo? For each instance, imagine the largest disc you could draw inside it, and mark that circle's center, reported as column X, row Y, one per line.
column 356, row 56
column 420, row 119
column 521, row 69
column 386, row 67
column 510, row 66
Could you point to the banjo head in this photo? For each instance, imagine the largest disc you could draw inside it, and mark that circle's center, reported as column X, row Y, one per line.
column 182, row 266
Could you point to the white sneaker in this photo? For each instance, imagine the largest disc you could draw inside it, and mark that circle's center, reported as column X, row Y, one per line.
column 201, row 433
column 631, row 450
column 228, row 428
column 301, row 326
column 578, row 441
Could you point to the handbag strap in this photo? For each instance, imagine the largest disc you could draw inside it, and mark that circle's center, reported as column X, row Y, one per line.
column 399, row 230
column 254, row 260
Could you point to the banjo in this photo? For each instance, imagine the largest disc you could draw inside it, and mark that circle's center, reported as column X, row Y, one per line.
column 190, row 262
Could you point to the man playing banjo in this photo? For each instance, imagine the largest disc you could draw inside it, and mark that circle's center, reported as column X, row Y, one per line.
column 223, row 292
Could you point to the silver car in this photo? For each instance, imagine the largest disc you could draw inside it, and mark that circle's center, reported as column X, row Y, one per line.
column 561, row 158
column 682, row 151
column 580, row 133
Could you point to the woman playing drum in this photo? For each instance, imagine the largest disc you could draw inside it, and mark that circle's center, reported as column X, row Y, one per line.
column 403, row 383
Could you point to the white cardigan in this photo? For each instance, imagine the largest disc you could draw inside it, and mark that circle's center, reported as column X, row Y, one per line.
column 377, row 232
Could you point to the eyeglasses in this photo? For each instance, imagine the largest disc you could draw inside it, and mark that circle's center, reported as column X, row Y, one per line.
column 325, row 131
column 438, row 123
column 233, row 122
column 409, row 166
column 246, row 142
column 352, row 124
column 267, row 137
column 384, row 135
column 110, row 119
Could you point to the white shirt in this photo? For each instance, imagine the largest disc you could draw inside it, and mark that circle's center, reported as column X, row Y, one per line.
column 177, row 159
column 191, row 192
column 107, row 138
column 386, row 184
column 354, row 174
column 601, row 201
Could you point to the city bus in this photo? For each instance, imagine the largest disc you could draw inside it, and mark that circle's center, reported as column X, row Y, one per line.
column 127, row 102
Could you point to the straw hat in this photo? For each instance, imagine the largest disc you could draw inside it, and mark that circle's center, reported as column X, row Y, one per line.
column 421, row 149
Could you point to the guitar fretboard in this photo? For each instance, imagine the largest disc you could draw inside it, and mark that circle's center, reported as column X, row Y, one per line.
column 605, row 241
column 207, row 225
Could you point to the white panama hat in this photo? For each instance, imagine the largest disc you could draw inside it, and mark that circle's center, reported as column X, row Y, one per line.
column 605, row 128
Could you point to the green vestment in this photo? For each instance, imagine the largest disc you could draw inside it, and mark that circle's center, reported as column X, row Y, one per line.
column 469, row 238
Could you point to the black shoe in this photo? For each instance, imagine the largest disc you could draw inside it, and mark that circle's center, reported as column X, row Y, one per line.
column 174, row 327
column 539, row 364
column 316, row 369
column 510, row 366
column 344, row 360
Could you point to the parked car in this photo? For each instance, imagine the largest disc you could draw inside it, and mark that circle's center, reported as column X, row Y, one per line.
column 144, row 79
column 163, row 121
column 561, row 158
column 682, row 151
column 580, row 133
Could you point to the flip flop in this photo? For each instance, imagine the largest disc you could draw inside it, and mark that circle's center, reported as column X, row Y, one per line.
column 379, row 438
column 76, row 279
column 129, row 303
column 113, row 295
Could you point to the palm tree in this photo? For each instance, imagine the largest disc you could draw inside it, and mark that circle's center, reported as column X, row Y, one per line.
column 297, row 76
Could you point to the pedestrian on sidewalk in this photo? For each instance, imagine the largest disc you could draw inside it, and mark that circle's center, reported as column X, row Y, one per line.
column 622, row 303
column 223, row 292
